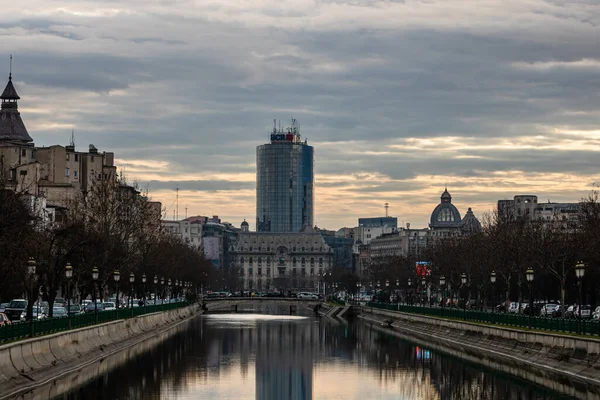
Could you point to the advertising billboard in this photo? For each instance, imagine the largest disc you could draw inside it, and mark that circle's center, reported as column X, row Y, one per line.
column 423, row 268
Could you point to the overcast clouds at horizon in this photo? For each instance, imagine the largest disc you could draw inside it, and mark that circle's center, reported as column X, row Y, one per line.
column 399, row 98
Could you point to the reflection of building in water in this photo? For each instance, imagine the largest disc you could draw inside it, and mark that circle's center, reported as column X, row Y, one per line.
column 284, row 360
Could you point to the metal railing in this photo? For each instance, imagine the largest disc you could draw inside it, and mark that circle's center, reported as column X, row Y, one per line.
column 564, row 325
column 22, row 329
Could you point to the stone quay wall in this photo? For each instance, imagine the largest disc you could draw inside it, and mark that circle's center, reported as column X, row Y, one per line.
column 567, row 364
column 29, row 363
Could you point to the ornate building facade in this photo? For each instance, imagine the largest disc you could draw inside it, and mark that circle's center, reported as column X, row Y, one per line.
column 281, row 261
column 446, row 221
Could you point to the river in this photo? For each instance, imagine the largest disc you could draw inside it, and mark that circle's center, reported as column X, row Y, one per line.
column 269, row 357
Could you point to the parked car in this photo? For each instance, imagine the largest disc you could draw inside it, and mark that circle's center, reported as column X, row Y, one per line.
column 514, row 308
column 4, row 320
column 59, row 301
column 15, row 309
column 109, row 306
column 75, row 309
column 548, row 310
column 3, row 307
column 586, row 311
column 59, row 312
column 309, row 296
column 570, row 311
column 92, row 307
column 558, row 311
column 37, row 313
column 525, row 309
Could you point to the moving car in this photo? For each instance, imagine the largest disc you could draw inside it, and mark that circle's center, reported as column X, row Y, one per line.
column 15, row 309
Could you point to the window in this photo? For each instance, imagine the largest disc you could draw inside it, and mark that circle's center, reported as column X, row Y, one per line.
column 23, row 152
column 259, row 271
column 68, row 156
column 92, row 159
column 76, row 157
column 268, row 271
column 75, row 174
column 66, row 171
column 250, row 271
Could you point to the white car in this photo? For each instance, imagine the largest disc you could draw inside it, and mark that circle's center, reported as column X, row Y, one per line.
column 109, row 306
column 309, row 296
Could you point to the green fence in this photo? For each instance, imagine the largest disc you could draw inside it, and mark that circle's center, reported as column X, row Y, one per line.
column 588, row 326
column 25, row 329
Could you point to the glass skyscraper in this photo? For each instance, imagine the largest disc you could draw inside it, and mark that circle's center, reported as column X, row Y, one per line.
column 284, row 182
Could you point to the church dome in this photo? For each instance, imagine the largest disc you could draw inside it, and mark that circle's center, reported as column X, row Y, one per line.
column 470, row 223
column 245, row 223
column 445, row 214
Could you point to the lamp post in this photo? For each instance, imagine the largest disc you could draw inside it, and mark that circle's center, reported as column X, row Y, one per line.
column 408, row 295
column 169, row 288
column 530, row 275
column 579, row 273
column 493, row 281
column 162, row 295
column 131, row 281
column 95, row 274
column 68, row 275
column 155, row 288
column 31, row 276
column 463, row 281
column 442, row 283
column 387, row 290
column 116, row 278
column 424, row 284
column 144, row 287
column 357, row 290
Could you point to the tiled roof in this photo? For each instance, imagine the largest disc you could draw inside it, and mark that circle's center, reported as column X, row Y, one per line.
column 12, row 128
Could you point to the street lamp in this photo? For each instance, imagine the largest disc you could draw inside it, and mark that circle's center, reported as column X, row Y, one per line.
column 68, row 275
column 131, row 281
column 424, row 284
column 463, row 281
column 155, row 288
column 162, row 284
column 442, row 283
column 144, row 287
column 579, row 273
column 116, row 278
column 530, row 275
column 493, row 281
column 409, row 291
column 169, row 288
column 31, row 275
column 95, row 274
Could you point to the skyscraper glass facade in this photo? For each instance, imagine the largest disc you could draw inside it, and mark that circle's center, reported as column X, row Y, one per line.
column 284, row 183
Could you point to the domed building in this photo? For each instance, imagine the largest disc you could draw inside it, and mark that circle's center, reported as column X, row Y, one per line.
column 471, row 224
column 245, row 227
column 446, row 220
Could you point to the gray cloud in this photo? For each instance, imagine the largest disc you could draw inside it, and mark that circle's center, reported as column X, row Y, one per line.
column 197, row 86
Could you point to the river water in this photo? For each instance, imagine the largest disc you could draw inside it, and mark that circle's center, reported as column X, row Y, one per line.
column 251, row 356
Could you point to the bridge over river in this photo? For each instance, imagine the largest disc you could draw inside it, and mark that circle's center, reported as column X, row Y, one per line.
column 239, row 304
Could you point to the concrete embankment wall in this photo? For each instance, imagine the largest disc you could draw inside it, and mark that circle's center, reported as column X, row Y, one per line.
column 33, row 362
column 566, row 364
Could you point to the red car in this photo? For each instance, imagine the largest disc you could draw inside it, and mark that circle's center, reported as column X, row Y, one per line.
column 4, row 319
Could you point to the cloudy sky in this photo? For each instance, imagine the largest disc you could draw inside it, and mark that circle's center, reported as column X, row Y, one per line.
column 399, row 98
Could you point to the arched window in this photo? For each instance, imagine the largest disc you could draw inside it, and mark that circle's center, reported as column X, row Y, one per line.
column 312, row 260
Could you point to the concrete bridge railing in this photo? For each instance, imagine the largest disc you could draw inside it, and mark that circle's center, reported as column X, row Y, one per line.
column 233, row 303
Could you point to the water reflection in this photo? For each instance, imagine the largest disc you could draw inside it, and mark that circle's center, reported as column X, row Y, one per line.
column 250, row 357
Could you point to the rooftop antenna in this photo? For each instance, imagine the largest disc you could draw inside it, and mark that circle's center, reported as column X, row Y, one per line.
column 274, row 126
column 72, row 137
column 10, row 69
column 186, row 211
column 177, row 201
column 387, row 206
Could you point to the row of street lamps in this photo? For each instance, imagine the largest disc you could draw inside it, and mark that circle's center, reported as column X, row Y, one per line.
column 31, row 270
